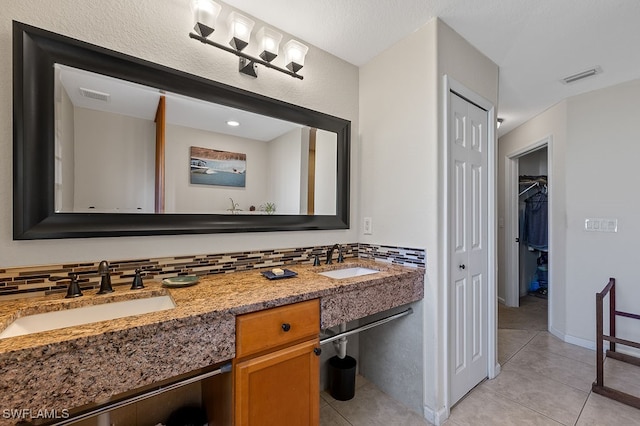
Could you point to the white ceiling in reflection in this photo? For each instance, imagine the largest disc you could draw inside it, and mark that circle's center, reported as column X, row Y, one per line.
column 140, row 101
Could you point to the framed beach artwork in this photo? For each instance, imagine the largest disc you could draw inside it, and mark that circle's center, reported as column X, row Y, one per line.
column 219, row 168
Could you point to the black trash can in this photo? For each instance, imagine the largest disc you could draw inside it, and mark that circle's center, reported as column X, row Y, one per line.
column 342, row 378
column 188, row 416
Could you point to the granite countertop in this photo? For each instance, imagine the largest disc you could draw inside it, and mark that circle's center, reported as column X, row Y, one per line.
column 138, row 346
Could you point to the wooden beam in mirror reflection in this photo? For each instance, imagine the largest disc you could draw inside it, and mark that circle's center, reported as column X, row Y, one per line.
column 160, row 146
column 311, row 182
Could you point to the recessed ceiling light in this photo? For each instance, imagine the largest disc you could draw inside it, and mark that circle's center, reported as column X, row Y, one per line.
column 233, row 123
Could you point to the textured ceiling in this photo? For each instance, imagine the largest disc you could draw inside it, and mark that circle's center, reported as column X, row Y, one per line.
column 534, row 42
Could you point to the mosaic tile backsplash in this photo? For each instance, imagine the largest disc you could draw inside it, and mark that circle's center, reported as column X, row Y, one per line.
column 34, row 280
column 398, row 255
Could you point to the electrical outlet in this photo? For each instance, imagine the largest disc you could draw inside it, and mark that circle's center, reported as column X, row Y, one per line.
column 367, row 226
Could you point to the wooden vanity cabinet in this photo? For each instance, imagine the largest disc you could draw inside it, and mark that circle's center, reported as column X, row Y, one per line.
column 276, row 371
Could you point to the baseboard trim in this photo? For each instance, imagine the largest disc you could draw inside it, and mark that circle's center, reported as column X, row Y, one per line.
column 438, row 417
column 496, row 370
column 584, row 343
column 589, row 344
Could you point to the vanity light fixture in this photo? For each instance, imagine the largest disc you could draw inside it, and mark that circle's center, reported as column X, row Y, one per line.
column 269, row 43
column 205, row 14
column 294, row 53
column 240, row 27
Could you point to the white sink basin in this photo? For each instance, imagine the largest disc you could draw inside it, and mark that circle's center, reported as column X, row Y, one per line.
column 340, row 274
column 86, row 315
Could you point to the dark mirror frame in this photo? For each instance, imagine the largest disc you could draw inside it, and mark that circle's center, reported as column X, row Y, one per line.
column 35, row 51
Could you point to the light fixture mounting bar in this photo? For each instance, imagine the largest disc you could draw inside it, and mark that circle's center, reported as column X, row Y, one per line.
column 584, row 74
column 244, row 55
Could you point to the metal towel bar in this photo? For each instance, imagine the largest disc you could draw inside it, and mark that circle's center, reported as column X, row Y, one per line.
column 105, row 408
column 367, row 326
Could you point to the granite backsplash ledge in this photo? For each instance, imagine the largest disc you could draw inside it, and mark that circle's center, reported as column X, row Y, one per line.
column 34, row 280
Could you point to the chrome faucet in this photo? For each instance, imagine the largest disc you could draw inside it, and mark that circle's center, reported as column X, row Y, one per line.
column 330, row 254
column 105, row 280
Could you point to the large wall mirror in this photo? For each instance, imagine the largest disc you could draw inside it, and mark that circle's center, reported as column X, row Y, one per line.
column 110, row 145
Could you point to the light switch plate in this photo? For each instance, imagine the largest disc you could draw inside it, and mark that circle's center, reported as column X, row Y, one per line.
column 601, row 225
column 367, row 226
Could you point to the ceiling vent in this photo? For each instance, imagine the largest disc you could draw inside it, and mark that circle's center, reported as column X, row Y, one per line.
column 582, row 75
column 94, row 94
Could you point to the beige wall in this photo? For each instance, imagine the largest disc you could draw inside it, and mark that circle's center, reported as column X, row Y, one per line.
column 594, row 151
column 550, row 124
column 284, row 156
column 603, row 147
column 401, row 115
column 398, row 105
column 158, row 31
column 104, row 139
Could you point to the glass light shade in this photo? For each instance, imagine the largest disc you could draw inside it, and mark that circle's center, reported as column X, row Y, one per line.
column 294, row 53
column 269, row 43
column 205, row 13
column 240, row 30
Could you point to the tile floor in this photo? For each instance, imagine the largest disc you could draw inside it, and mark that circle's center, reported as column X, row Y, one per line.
column 544, row 381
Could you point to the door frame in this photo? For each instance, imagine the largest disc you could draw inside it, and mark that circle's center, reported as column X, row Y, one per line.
column 512, row 252
column 493, row 368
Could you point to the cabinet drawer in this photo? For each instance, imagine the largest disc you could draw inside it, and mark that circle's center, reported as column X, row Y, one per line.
column 264, row 330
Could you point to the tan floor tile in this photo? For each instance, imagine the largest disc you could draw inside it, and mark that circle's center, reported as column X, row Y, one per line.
column 361, row 381
column 371, row 407
column 559, row 368
column 511, row 341
column 323, row 401
column 547, row 342
column 541, row 394
column 330, row 417
column 482, row 407
column 324, row 396
column 622, row 376
column 531, row 315
column 600, row 411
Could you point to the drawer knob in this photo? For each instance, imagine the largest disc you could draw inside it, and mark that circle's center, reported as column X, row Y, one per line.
column 286, row 327
column 317, row 351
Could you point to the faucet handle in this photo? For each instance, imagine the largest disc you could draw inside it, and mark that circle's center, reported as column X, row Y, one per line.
column 74, row 288
column 105, row 281
column 137, row 280
column 103, row 267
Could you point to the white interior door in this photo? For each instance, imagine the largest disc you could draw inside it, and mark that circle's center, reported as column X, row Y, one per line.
column 468, row 292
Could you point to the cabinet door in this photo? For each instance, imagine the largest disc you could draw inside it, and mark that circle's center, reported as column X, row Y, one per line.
column 279, row 388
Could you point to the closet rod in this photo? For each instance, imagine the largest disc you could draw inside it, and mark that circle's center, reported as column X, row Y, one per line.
column 367, row 326
column 106, row 408
column 531, row 186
